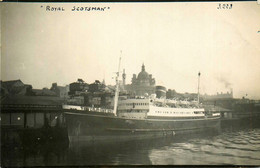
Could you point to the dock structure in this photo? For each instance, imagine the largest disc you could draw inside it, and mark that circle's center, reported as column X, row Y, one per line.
column 28, row 119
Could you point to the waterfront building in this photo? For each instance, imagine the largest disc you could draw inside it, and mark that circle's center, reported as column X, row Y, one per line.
column 95, row 94
column 141, row 84
column 228, row 95
column 78, row 87
column 15, row 87
column 43, row 92
column 61, row 91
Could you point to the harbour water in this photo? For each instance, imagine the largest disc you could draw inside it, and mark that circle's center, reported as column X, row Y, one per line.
column 227, row 147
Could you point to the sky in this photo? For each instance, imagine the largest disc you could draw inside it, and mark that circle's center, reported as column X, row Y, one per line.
column 174, row 40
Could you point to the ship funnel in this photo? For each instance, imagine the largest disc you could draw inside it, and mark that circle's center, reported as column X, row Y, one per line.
column 160, row 91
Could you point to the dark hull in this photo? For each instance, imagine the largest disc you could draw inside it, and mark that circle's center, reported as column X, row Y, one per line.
column 94, row 127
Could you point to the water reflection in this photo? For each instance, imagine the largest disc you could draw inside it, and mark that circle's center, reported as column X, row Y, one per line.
column 34, row 155
column 240, row 147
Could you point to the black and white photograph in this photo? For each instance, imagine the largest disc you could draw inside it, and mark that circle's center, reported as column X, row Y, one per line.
column 130, row 83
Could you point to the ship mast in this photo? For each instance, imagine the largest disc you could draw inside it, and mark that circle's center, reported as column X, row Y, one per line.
column 117, row 88
column 198, row 88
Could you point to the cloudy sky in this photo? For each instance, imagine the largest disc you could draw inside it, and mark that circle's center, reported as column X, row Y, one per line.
column 174, row 40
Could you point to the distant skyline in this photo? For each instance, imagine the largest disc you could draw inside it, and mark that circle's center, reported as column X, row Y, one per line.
column 175, row 41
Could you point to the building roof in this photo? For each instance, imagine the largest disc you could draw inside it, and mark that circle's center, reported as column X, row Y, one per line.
column 143, row 74
column 8, row 84
column 40, row 100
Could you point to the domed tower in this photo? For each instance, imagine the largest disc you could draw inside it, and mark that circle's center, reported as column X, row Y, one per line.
column 143, row 77
column 143, row 83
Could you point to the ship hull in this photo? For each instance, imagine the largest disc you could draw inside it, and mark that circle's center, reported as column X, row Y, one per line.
column 84, row 126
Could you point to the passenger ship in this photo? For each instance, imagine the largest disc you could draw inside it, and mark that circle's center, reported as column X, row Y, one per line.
column 137, row 117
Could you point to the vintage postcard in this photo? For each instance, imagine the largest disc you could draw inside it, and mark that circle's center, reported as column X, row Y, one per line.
column 130, row 83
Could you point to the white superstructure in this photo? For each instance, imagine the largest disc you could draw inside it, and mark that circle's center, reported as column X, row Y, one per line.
column 141, row 108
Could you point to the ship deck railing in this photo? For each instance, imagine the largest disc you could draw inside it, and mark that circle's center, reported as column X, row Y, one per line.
column 96, row 109
column 29, row 106
column 85, row 108
column 176, row 106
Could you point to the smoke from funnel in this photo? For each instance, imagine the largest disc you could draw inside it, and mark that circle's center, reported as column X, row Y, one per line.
column 226, row 83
